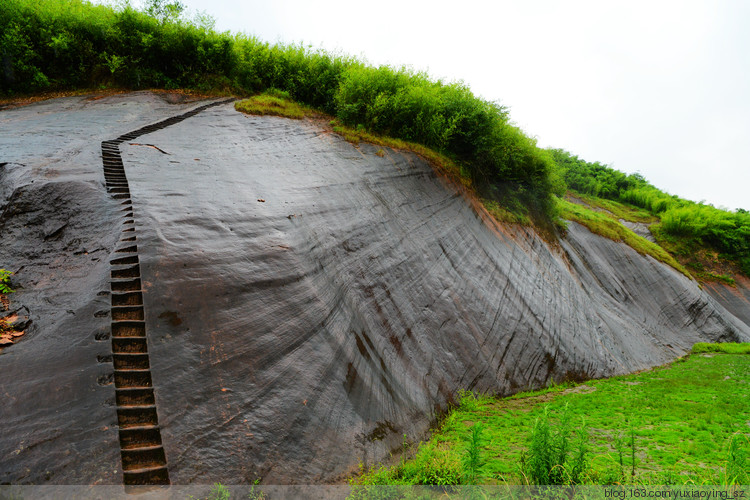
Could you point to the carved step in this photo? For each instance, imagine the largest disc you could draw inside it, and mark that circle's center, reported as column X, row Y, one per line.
column 133, row 378
column 137, row 416
column 139, row 396
column 127, row 299
column 130, row 361
column 128, row 329
column 136, row 437
column 153, row 475
column 134, row 313
column 129, row 345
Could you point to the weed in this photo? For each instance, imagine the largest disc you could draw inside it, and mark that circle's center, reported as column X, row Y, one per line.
column 632, row 453
column 256, row 495
column 218, row 492
column 737, row 469
column 473, row 459
column 5, row 281
column 548, row 460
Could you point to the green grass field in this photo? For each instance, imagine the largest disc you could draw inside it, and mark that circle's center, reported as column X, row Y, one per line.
column 684, row 423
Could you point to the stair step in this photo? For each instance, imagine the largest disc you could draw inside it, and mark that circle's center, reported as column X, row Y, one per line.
column 128, row 328
column 133, row 285
column 128, row 249
column 127, row 272
column 136, row 416
column 125, row 313
column 129, row 345
column 154, row 475
column 119, row 261
column 127, row 299
column 136, row 437
column 133, row 378
column 130, row 361
column 135, row 397
column 145, row 457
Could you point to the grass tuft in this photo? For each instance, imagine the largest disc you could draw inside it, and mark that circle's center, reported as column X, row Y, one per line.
column 275, row 103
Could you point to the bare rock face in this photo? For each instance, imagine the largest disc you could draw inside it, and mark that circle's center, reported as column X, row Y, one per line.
column 308, row 303
column 736, row 299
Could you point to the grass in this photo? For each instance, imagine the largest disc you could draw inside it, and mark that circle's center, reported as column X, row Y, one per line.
column 682, row 423
column 618, row 210
column 725, row 347
column 5, row 281
column 442, row 162
column 275, row 103
column 606, row 226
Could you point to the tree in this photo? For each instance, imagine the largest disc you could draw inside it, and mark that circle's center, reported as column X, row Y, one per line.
column 165, row 12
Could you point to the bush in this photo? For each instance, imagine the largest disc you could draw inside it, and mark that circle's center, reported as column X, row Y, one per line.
column 552, row 458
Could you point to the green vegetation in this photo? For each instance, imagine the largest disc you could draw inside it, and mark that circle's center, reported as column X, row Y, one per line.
column 5, row 281
column 724, row 347
column 683, row 423
column 273, row 102
column 552, row 458
column 617, row 210
column 218, row 492
column 687, row 228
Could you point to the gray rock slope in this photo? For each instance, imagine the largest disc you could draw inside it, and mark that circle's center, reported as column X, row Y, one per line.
column 308, row 303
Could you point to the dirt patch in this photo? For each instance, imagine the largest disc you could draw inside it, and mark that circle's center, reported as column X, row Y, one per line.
column 525, row 403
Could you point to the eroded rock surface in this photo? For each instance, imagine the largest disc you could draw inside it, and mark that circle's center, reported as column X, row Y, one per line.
column 736, row 299
column 307, row 302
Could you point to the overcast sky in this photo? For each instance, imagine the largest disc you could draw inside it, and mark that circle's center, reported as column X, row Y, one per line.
column 656, row 87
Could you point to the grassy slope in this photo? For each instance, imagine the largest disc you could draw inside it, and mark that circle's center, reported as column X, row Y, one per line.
column 683, row 415
column 608, row 226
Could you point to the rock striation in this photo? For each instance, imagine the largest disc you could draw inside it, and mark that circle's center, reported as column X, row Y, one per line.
column 307, row 302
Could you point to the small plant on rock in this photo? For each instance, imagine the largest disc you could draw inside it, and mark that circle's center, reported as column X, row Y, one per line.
column 5, row 281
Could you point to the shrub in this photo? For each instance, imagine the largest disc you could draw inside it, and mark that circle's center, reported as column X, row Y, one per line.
column 552, row 458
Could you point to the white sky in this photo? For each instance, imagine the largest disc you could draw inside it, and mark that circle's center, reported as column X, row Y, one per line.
column 657, row 87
